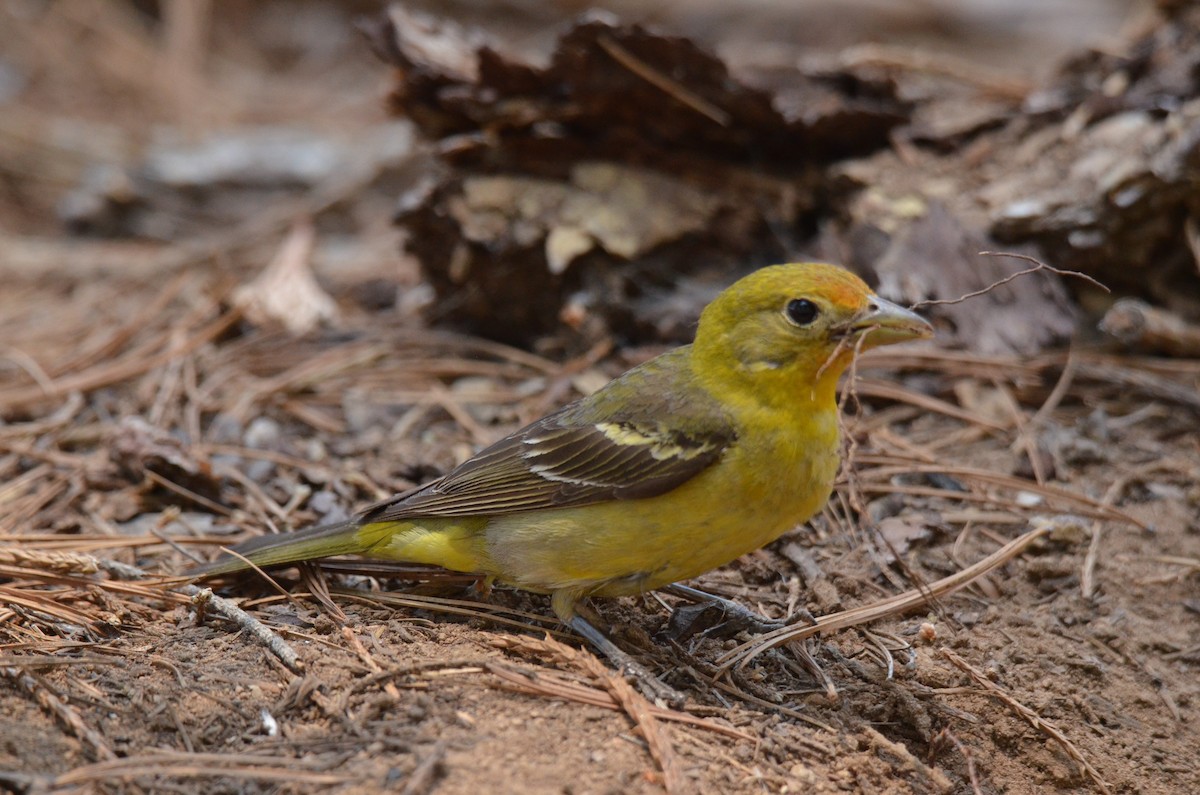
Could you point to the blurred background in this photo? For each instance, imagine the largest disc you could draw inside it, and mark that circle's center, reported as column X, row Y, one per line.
column 198, row 92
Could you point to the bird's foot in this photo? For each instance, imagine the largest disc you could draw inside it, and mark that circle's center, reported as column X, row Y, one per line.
column 481, row 588
column 715, row 617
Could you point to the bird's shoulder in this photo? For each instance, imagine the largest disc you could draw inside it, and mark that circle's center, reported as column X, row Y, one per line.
column 641, row 435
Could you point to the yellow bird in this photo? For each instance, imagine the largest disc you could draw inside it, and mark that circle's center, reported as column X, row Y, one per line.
column 677, row 467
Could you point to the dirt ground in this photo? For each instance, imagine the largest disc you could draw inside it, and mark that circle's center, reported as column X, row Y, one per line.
column 148, row 697
column 146, row 420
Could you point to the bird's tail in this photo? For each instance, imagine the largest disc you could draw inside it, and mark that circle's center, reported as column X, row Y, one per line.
column 344, row 538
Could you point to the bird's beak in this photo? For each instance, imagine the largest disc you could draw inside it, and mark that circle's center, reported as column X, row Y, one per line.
column 886, row 323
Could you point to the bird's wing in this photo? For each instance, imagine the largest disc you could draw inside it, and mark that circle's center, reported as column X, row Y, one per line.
column 640, row 440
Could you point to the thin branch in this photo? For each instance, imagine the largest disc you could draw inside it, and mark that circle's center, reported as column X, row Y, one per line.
column 205, row 599
column 1038, row 265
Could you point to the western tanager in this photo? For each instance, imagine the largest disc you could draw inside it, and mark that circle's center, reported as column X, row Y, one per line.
column 677, row 467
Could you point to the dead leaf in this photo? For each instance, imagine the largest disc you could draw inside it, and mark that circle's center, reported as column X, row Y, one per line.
column 286, row 293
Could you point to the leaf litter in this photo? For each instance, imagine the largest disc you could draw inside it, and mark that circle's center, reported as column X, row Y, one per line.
column 69, row 554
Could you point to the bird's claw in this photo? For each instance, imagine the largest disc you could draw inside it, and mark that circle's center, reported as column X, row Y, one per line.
column 720, row 618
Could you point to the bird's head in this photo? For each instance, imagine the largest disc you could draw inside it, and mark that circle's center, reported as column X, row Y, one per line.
column 795, row 328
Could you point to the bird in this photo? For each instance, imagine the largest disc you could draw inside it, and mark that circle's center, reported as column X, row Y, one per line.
column 681, row 465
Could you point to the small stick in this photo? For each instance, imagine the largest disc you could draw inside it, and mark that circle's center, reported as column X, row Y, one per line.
column 663, row 83
column 187, row 493
column 961, row 70
column 259, row 571
column 894, row 605
column 227, row 609
column 1038, row 265
column 31, row 367
column 1035, row 720
column 178, row 764
column 643, row 714
column 117, row 370
column 1058, row 392
column 946, row 736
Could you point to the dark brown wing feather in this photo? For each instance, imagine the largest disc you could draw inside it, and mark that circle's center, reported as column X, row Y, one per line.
column 642, row 435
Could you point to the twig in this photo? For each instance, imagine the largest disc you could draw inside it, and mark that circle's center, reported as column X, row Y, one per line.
column 963, row 70
column 177, row 764
column 894, row 605
column 888, row 467
column 1059, row 391
column 896, row 393
column 227, row 609
column 261, row 573
column 664, row 83
column 1025, row 438
column 63, row 415
column 29, row 365
column 457, row 607
column 1028, row 714
column 108, row 346
column 1038, row 265
column 638, row 709
column 1154, row 385
column 187, row 493
column 417, row 667
column 946, row 736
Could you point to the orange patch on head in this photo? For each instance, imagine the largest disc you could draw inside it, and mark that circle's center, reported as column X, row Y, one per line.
column 841, row 287
column 771, row 287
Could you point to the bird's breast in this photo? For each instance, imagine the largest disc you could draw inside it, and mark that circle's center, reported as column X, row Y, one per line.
column 769, row 483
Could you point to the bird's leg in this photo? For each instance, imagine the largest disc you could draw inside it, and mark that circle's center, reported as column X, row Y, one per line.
column 650, row 685
column 482, row 587
column 714, row 616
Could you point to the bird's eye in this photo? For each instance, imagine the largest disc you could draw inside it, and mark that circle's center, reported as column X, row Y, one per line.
column 801, row 311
